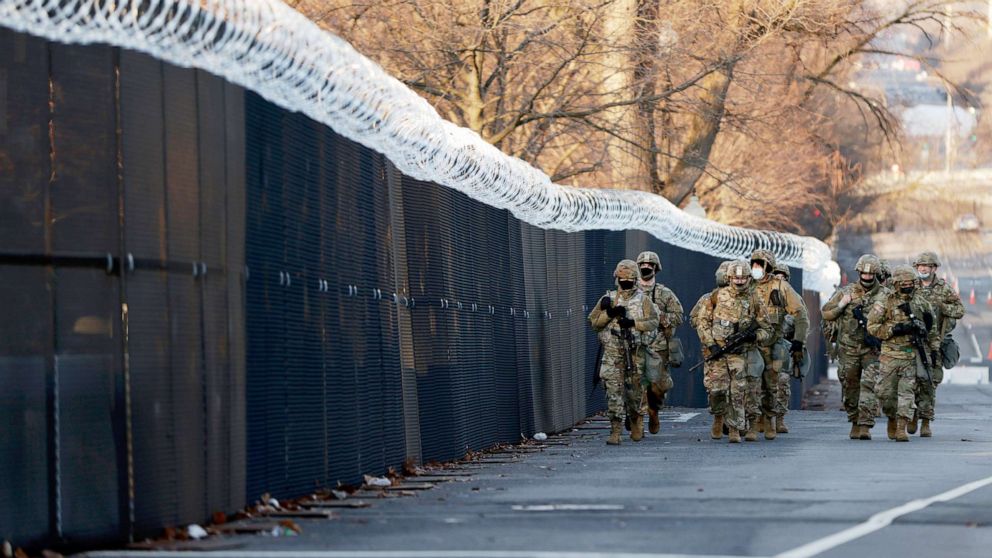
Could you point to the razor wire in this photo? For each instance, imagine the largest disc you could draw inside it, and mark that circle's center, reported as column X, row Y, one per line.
column 273, row 50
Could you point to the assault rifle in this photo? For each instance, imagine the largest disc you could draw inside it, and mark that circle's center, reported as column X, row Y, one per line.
column 627, row 350
column 918, row 337
column 734, row 342
column 859, row 314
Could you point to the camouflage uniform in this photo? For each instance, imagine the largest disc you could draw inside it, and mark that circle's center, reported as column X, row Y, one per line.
column 733, row 310
column 776, row 299
column 858, row 353
column 658, row 378
column 784, row 388
column 624, row 392
column 947, row 308
column 899, row 361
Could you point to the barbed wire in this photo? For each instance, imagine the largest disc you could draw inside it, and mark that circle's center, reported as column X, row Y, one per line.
column 269, row 48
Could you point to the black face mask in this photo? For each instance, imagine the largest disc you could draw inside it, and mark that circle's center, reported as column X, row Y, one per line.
column 867, row 284
column 906, row 290
column 626, row 285
column 647, row 272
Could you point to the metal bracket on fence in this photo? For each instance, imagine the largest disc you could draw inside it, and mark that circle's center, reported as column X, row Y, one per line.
column 282, row 279
column 492, row 310
column 322, row 286
column 110, row 263
column 513, row 312
column 475, row 307
column 526, row 313
column 130, row 262
column 196, row 270
column 459, row 304
column 247, row 273
column 203, row 269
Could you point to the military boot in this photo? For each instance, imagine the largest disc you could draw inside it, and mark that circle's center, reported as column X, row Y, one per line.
column 891, row 428
column 752, row 431
column 925, row 429
column 780, row 426
column 855, row 431
column 717, row 431
column 864, row 432
column 769, row 428
column 735, row 436
column 654, row 425
column 637, row 428
column 614, row 439
column 901, row 435
column 912, row 425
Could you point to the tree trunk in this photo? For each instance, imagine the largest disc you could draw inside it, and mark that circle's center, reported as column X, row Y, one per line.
column 703, row 130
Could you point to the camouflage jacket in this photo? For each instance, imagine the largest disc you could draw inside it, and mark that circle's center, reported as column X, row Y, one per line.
column 639, row 308
column 776, row 298
column 849, row 331
column 726, row 312
column 670, row 312
column 946, row 304
column 885, row 314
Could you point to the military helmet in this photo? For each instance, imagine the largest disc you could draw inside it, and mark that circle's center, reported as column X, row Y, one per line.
column 721, row 274
column 738, row 269
column 626, row 271
column 783, row 269
column 883, row 270
column 649, row 257
column 765, row 256
column 903, row 273
column 927, row 258
column 868, row 264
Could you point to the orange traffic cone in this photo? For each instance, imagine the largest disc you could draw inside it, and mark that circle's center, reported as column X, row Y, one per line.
column 971, row 297
column 989, row 356
column 988, row 299
column 956, row 289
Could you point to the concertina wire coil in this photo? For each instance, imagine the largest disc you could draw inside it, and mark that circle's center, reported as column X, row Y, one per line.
column 273, row 50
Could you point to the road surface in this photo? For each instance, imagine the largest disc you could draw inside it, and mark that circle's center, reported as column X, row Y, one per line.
column 812, row 492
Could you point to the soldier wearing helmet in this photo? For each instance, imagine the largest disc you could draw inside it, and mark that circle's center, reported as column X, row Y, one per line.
column 776, row 299
column 670, row 316
column 788, row 368
column 895, row 317
column 947, row 308
column 731, row 309
column 857, row 350
column 625, row 309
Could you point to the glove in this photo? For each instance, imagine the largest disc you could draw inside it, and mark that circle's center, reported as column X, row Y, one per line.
column 903, row 328
column 873, row 342
column 625, row 322
column 713, row 349
column 797, row 347
column 928, row 320
column 859, row 313
column 933, row 360
column 617, row 312
column 605, row 303
column 750, row 337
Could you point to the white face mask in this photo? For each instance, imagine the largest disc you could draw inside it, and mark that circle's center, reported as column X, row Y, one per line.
column 923, row 275
column 757, row 273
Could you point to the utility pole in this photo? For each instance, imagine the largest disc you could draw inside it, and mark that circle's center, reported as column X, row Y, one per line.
column 948, row 140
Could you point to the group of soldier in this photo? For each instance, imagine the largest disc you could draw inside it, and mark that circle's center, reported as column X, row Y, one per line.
column 890, row 333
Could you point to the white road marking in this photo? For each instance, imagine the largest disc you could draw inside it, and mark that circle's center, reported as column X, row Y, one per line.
column 879, row 521
column 568, row 507
column 978, row 351
column 672, row 416
column 391, row 554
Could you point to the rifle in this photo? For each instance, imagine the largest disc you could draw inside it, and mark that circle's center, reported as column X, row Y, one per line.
column 627, row 349
column 734, row 342
column 918, row 338
column 859, row 314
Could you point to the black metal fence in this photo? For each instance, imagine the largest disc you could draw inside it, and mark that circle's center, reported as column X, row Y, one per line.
column 205, row 297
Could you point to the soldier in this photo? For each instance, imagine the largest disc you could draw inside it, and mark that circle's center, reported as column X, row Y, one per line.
column 900, row 318
column 776, row 298
column 784, row 389
column 625, row 310
column 734, row 312
column 705, row 305
column 857, row 350
column 669, row 317
column 947, row 308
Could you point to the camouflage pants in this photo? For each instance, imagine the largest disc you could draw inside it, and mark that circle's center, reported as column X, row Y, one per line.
column 623, row 392
column 762, row 391
column 725, row 381
column 926, row 393
column 896, row 386
column 867, row 398
column 852, row 364
column 783, row 395
column 657, row 380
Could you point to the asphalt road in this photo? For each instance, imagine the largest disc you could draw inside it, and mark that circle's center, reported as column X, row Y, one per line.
column 812, row 492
